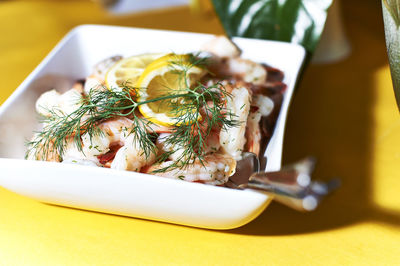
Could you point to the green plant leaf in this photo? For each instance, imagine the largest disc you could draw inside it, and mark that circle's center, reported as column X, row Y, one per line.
column 393, row 6
column 296, row 21
column 391, row 16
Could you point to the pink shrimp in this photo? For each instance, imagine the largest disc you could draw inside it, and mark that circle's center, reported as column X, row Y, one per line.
column 215, row 169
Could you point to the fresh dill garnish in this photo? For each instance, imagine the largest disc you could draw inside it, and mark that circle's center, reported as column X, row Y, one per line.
column 197, row 109
column 203, row 109
column 95, row 108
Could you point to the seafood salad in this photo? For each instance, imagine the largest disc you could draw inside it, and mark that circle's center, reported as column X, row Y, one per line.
column 182, row 116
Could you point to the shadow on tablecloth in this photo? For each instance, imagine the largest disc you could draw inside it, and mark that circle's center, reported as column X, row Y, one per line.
column 331, row 117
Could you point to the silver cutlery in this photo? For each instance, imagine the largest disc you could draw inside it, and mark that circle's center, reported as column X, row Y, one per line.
column 291, row 186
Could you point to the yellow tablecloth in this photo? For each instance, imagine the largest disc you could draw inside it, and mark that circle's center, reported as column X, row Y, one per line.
column 344, row 113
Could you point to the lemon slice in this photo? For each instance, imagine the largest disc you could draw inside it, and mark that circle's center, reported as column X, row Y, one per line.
column 168, row 75
column 128, row 70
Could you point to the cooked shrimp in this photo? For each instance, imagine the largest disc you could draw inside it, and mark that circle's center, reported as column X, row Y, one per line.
column 239, row 68
column 53, row 101
column 101, row 68
column 232, row 141
column 226, row 62
column 264, row 104
column 129, row 157
column 176, row 152
column 93, row 83
column 253, row 133
column 116, row 129
column 74, row 156
column 215, row 170
column 113, row 131
column 260, row 106
column 246, row 70
column 96, row 81
column 221, row 46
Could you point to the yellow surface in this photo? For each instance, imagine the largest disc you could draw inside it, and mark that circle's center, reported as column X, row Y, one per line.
column 345, row 114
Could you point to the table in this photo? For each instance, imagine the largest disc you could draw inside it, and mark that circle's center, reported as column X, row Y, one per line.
column 343, row 113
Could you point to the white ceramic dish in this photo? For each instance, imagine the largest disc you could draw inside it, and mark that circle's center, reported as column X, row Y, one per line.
column 120, row 192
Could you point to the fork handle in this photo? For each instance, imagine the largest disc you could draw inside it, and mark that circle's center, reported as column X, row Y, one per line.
column 305, row 204
column 298, row 201
column 301, row 199
column 294, row 175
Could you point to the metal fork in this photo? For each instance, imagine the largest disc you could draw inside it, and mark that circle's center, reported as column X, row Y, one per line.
column 291, row 186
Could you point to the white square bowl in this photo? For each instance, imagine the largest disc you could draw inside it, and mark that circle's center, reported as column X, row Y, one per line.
column 121, row 192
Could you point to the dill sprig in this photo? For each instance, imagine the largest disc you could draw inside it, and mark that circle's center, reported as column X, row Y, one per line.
column 202, row 110
column 94, row 108
column 196, row 109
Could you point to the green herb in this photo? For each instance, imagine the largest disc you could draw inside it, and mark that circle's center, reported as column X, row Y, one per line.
column 192, row 133
column 97, row 148
column 200, row 110
column 391, row 18
column 96, row 107
column 393, row 7
column 197, row 109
